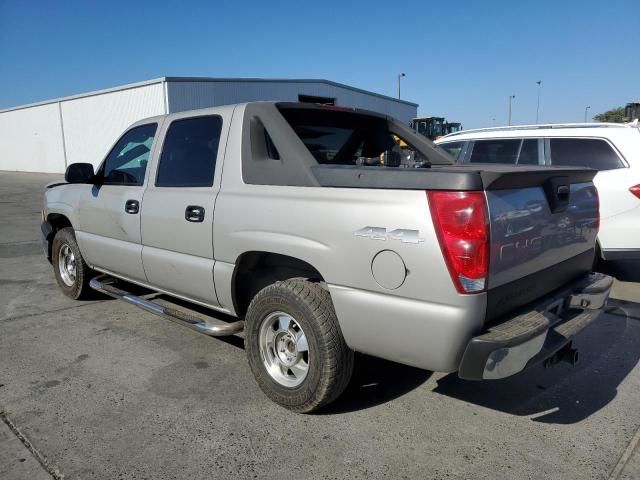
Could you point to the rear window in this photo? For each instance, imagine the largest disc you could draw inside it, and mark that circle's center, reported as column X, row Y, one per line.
column 346, row 138
column 584, row 152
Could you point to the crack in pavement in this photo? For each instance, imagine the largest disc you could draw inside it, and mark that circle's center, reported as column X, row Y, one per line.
column 42, row 460
column 626, row 456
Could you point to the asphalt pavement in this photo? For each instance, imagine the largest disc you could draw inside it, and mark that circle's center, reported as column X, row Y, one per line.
column 102, row 390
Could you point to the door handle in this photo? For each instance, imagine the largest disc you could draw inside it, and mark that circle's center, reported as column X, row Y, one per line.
column 132, row 206
column 194, row 213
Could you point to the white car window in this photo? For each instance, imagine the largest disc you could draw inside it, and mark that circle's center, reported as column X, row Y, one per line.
column 495, row 151
column 584, row 152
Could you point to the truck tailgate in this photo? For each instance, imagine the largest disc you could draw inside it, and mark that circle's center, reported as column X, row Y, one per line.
column 539, row 242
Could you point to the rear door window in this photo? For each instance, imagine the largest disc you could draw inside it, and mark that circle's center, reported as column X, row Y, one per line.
column 495, row 151
column 189, row 152
column 584, row 152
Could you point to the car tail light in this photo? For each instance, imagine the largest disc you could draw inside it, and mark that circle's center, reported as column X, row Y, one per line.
column 462, row 225
column 635, row 190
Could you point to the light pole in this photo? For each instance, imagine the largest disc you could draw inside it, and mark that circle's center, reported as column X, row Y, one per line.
column 585, row 113
column 539, row 82
column 511, row 97
column 400, row 75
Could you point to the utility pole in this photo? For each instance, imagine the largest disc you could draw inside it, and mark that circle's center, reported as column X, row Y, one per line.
column 511, row 97
column 585, row 113
column 400, row 75
column 539, row 82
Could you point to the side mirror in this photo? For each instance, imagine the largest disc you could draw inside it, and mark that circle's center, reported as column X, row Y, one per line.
column 79, row 173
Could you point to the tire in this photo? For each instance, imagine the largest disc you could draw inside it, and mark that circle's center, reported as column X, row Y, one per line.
column 307, row 308
column 73, row 280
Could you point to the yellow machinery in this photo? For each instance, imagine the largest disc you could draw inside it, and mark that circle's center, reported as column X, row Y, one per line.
column 434, row 127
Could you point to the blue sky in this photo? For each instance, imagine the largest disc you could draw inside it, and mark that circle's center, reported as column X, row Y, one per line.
column 462, row 59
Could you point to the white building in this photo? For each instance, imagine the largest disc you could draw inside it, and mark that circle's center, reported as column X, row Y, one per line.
column 47, row 136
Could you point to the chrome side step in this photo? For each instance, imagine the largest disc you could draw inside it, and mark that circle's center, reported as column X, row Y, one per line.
column 104, row 284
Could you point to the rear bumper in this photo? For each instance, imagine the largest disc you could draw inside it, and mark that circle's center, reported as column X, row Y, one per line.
column 536, row 333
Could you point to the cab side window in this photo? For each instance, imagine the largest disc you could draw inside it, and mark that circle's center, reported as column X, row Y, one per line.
column 189, row 153
column 127, row 161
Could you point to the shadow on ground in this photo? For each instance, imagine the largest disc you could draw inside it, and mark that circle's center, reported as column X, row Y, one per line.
column 376, row 381
column 562, row 394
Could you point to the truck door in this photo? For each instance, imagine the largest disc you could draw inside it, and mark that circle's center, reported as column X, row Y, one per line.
column 109, row 213
column 177, row 211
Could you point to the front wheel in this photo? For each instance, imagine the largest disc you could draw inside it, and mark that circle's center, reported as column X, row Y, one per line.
column 71, row 271
column 295, row 347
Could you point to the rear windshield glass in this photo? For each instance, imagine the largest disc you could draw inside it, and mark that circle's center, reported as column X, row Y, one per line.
column 584, row 152
column 347, row 138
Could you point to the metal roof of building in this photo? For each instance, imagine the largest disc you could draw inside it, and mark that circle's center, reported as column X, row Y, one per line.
column 204, row 79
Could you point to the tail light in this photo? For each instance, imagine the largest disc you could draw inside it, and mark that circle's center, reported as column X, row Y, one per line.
column 462, row 225
column 635, row 190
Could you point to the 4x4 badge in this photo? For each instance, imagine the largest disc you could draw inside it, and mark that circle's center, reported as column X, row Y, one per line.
column 379, row 233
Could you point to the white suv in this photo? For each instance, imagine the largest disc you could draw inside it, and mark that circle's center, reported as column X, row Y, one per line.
column 612, row 149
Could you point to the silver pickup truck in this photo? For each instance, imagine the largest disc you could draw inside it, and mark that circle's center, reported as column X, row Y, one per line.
column 327, row 231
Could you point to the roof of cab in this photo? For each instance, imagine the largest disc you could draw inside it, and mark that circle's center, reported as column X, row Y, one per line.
column 216, row 109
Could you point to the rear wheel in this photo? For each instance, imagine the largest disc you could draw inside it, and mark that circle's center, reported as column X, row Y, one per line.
column 294, row 345
column 71, row 271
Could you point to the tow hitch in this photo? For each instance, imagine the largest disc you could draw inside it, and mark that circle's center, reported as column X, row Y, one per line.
column 565, row 354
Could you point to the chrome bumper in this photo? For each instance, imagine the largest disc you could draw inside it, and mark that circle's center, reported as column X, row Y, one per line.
column 537, row 333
